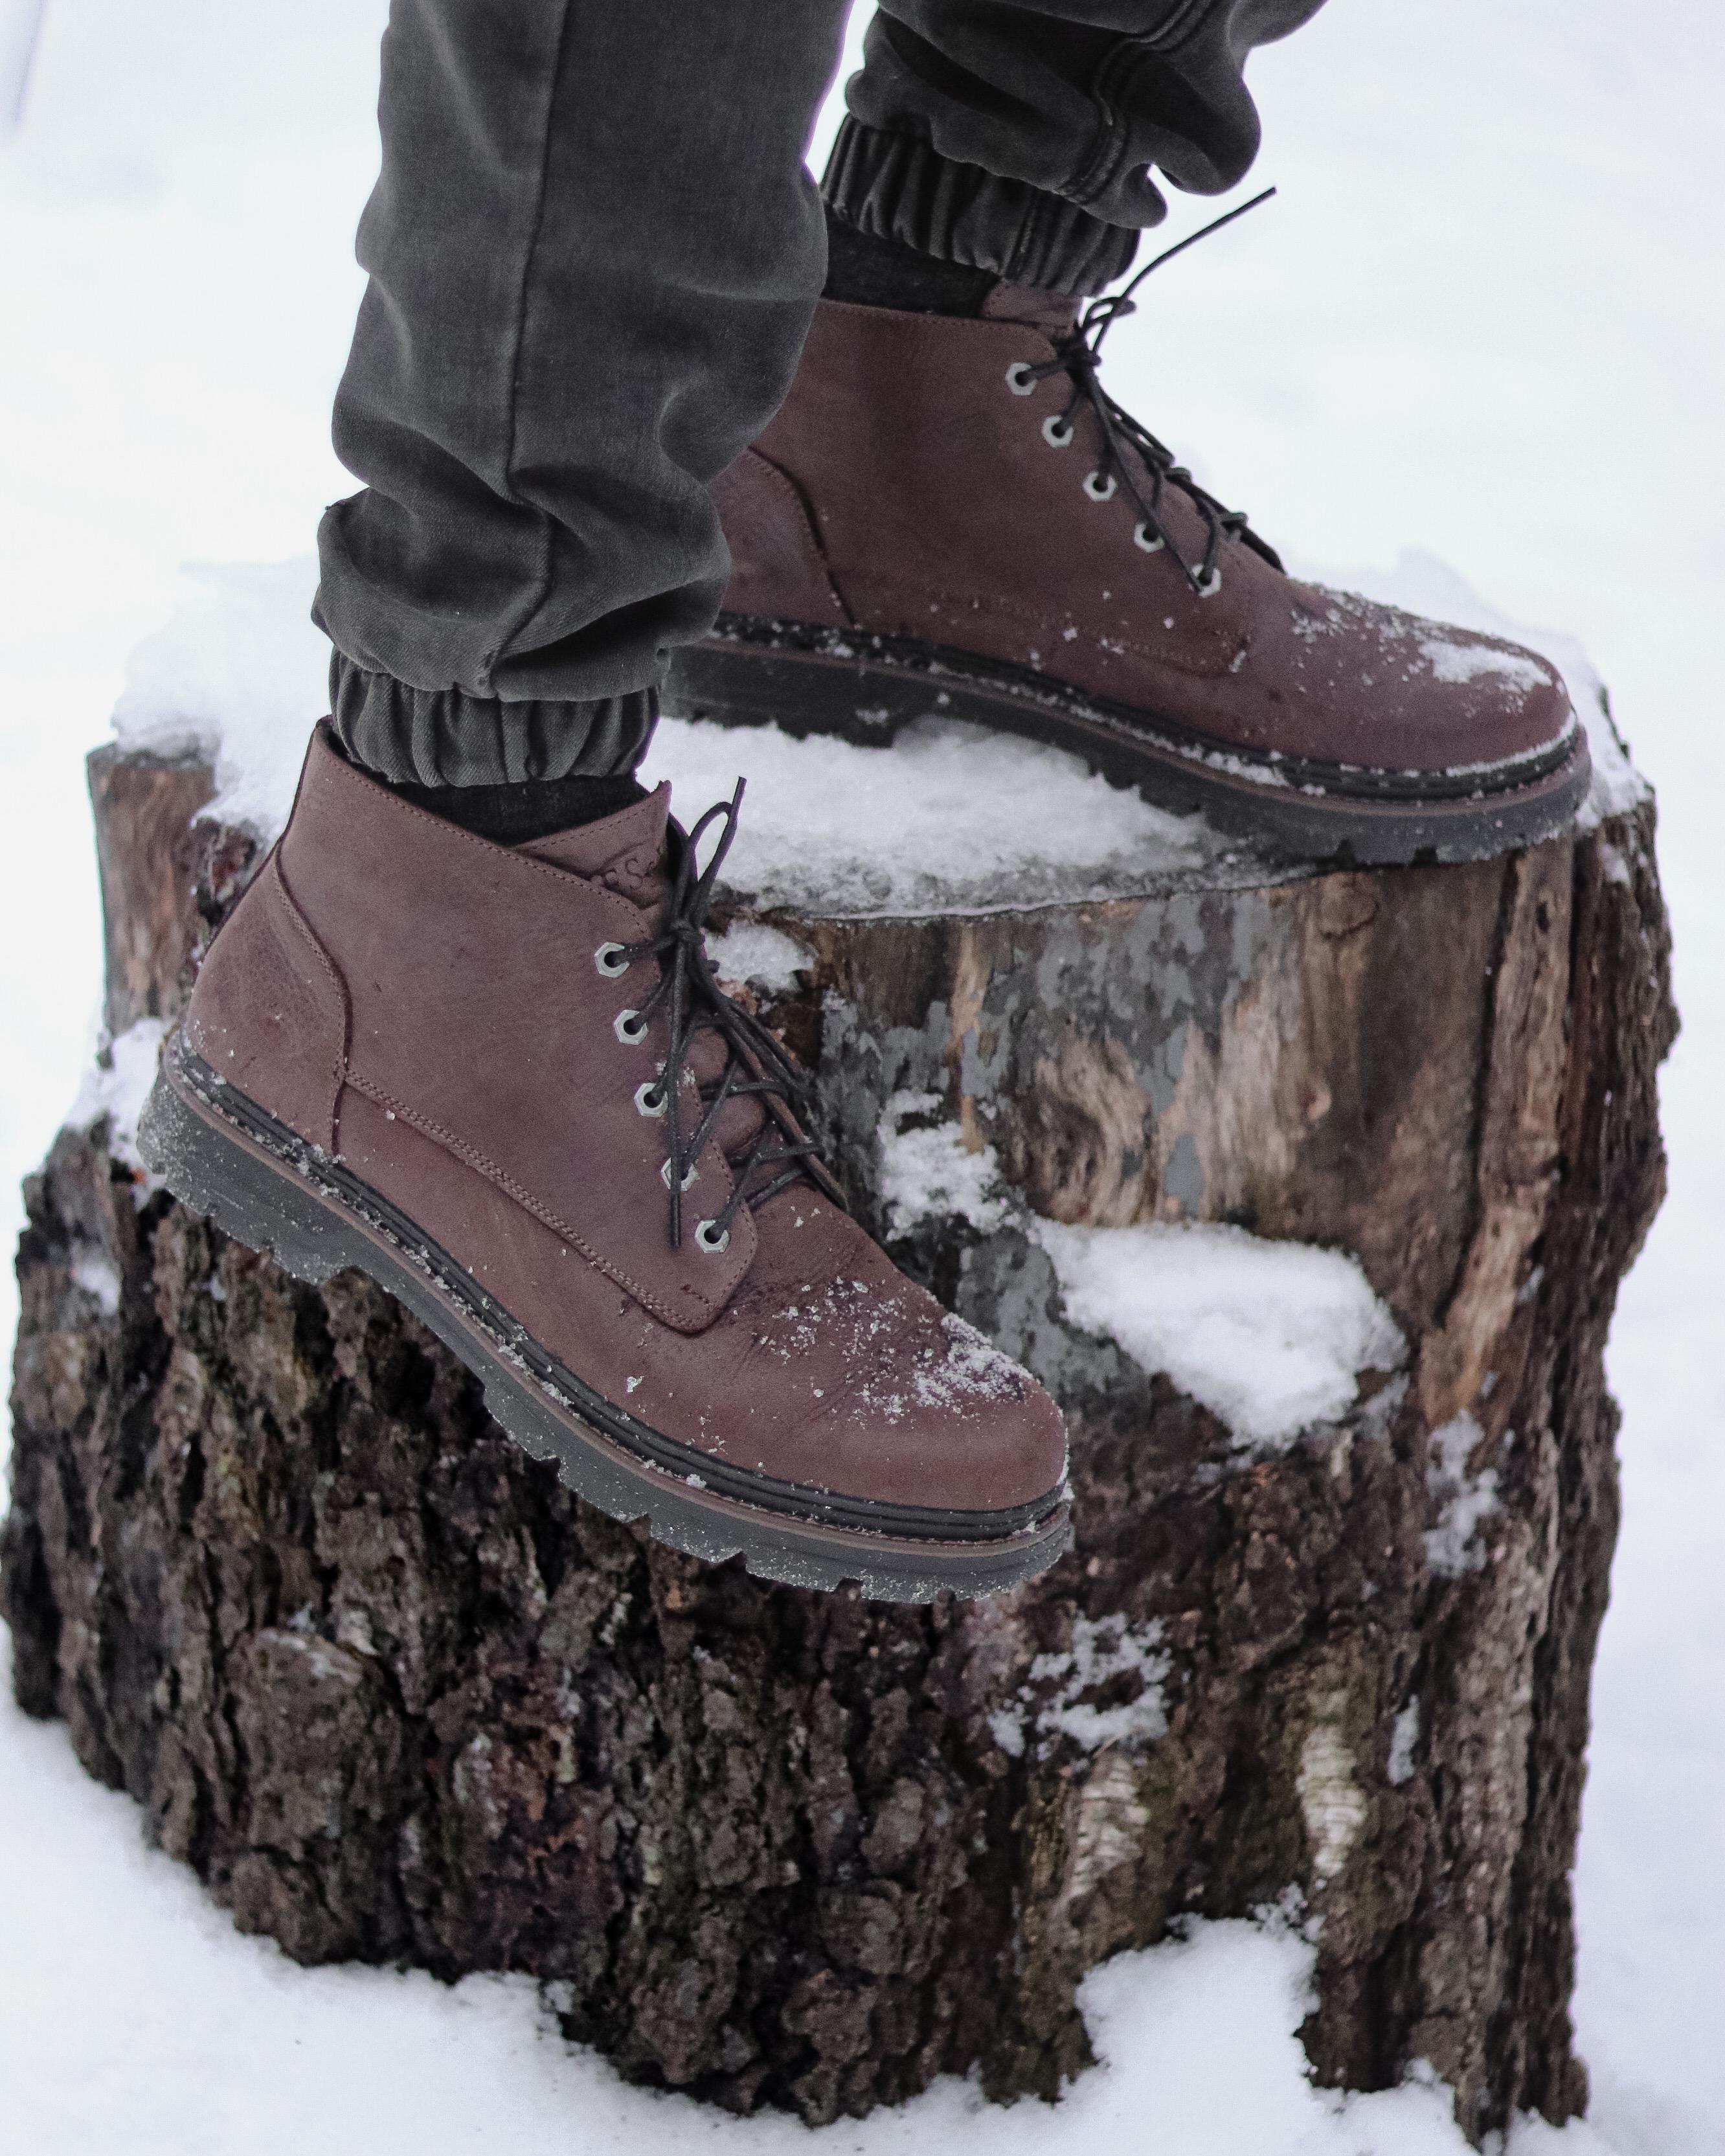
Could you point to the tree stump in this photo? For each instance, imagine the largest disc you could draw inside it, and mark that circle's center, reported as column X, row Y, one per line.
column 397, row 1696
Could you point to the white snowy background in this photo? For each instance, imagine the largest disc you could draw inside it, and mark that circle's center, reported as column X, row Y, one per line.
column 1483, row 324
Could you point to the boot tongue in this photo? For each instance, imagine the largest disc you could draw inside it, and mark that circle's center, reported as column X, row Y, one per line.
column 625, row 851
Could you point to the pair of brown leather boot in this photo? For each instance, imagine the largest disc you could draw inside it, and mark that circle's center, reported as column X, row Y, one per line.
column 505, row 1083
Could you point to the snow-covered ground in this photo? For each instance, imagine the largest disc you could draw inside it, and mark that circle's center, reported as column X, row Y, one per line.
column 1483, row 319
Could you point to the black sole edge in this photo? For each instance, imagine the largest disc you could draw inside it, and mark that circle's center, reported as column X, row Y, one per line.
column 867, row 702
column 226, row 1177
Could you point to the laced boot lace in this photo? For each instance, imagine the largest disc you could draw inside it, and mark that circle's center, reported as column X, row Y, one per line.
column 757, row 1066
column 1079, row 357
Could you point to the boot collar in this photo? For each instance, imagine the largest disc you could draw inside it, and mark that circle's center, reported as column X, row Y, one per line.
column 1052, row 315
column 626, row 851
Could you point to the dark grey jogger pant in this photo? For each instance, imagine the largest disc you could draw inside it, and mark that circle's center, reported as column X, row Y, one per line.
column 594, row 252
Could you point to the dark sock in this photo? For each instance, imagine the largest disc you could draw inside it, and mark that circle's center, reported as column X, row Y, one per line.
column 885, row 273
column 532, row 809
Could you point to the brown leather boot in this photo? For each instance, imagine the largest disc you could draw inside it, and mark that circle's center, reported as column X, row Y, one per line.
column 503, row 1082
column 950, row 516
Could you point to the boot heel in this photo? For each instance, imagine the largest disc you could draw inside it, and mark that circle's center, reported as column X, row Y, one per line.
column 266, row 1209
column 799, row 692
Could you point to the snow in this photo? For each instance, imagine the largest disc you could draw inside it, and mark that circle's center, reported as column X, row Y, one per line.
column 927, row 1171
column 239, row 674
column 939, row 822
column 96, row 1273
column 752, row 952
column 115, row 1084
column 1613, row 866
column 950, row 819
column 1051, row 1703
column 973, row 1369
column 1271, row 1337
column 1483, row 310
column 1473, row 662
column 1464, row 1501
column 186, row 2039
column 1404, row 1740
column 942, row 823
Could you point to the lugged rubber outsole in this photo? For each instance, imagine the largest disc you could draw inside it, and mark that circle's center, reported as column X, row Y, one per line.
column 314, row 1232
column 866, row 689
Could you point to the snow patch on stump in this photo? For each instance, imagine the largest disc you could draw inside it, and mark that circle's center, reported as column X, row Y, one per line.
column 1055, row 1698
column 1464, row 1500
column 928, row 1172
column 1271, row 1338
column 753, row 953
column 115, row 1085
column 940, row 823
column 238, row 674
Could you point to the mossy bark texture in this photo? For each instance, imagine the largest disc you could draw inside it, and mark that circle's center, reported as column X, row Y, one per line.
column 397, row 1696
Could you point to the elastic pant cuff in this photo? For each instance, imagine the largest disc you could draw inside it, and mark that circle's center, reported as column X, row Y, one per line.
column 446, row 737
column 900, row 187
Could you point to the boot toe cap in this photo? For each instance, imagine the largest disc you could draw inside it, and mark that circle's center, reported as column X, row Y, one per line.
column 1394, row 691
column 952, row 1424
column 1480, row 701
column 858, row 1383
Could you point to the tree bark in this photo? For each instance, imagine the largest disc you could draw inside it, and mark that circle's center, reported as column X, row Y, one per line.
column 397, row 1696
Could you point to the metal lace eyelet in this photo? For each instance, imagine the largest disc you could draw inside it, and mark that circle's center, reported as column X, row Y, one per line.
column 1056, row 432
column 693, row 1176
column 1152, row 543
column 711, row 1238
column 1208, row 586
column 630, row 1028
column 1019, row 378
column 1102, row 486
column 611, row 959
column 644, row 1103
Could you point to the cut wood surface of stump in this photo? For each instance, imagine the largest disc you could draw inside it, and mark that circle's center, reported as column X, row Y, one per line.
column 1307, row 1194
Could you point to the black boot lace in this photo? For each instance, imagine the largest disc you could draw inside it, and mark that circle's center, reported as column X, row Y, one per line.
column 1079, row 357
column 757, row 1066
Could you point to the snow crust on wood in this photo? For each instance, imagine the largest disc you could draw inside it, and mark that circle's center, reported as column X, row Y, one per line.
column 951, row 819
column 954, row 818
